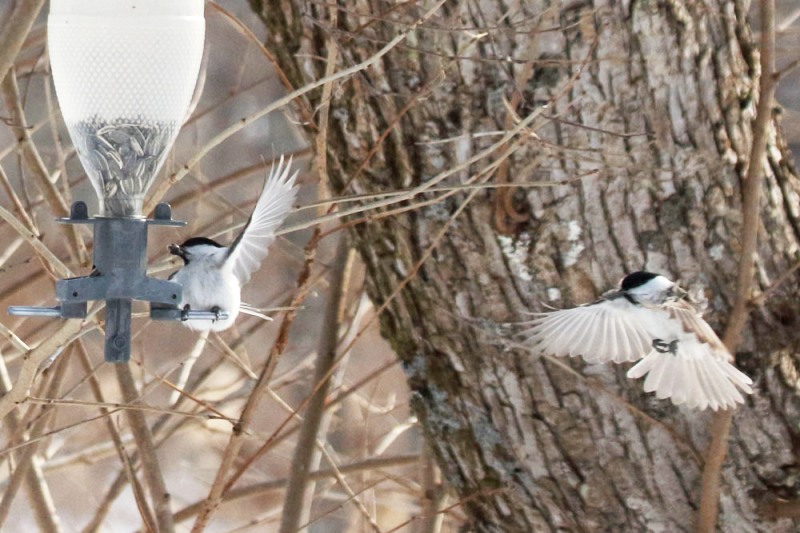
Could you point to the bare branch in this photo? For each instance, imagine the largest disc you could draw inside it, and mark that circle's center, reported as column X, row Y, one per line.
column 53, row 345
column 751, row 197
column 28, row 466
column 326, row 355
column 48, row 257
column 15, row 30
column 153, row 475
column 35, row 163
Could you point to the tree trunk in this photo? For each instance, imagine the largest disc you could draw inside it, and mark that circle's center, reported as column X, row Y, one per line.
column 639, row 115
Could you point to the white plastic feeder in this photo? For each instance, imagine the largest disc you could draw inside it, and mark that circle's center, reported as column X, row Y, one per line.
column 124, row 72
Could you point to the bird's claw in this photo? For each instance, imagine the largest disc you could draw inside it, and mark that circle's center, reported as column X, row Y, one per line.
column 665, row 347
column 216, row 311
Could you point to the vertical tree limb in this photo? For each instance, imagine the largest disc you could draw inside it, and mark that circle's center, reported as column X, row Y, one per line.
column 153, row 474
column 326, row 355
column 751, row 198
column 105, row 504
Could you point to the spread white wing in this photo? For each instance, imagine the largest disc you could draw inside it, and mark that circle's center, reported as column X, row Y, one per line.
column 607, row 330
column 250, row 247
column 691, row 366
column 699, row 372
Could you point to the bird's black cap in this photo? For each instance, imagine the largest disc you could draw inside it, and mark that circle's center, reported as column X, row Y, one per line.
column 196, row 241
column 636, row 279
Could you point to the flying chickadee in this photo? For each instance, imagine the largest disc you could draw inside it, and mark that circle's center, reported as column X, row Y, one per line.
column 648, row 317
column 212, row 275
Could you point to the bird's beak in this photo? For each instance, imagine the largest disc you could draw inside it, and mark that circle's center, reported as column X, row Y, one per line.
column 680, row 294
column 175, row 249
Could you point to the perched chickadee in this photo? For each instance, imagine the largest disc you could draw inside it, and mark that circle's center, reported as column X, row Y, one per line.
column 212, row 275
column 648, row 317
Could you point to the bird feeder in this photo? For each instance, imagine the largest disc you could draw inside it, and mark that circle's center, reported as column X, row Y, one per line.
column 124, row 73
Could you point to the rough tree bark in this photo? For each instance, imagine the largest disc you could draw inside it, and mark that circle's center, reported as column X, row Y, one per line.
column 650, row 104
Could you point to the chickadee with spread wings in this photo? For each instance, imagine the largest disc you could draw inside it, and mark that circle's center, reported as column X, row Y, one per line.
column 649, row 318
column 212, row 275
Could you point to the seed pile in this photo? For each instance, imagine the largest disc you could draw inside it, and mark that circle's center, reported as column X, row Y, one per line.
column 122, row 159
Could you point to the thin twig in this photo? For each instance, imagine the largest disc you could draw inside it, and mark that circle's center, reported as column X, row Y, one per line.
column 105, row 504
column 35, row 164
column 788, row 20
column 126, row 407
column 54, row 344
column 41, row 500
column 751, row 196
column 12, row 337
column 388, row 198
column 479, row 494
column 61, row 158
column 505, row 216
column 255, row 41
column 116, row 487
column 28, row 468
column 138, row 490
column 18, row 207
column 233, row 357
column 368, row 487
column 54, row 264
column 187, row 366
column 298, row 500
column 774, row 509
column 279, row 435
column 321, row 449
column 424, row 187
column 15, row 30
column 373, row 463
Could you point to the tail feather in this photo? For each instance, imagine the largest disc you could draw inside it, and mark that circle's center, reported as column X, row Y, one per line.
column 702, row 383
column 697, row 379
column 736, row 376
column 253, row 311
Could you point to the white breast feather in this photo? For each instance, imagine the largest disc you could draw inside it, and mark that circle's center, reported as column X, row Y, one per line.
column 207, row 284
